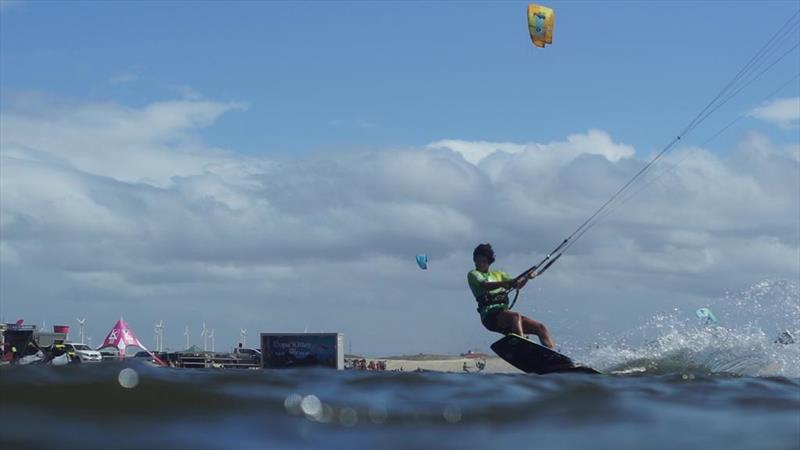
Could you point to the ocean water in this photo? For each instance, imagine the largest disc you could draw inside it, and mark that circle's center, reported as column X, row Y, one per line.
column 87, row 407
column 687, row 386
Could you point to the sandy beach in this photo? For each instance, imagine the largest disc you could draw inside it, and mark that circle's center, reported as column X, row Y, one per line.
column 437, row 363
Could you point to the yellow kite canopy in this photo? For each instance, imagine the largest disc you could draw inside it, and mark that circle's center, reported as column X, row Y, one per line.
column 540, row 24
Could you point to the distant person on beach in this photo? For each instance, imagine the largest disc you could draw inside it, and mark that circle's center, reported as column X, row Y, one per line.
column 489, row 289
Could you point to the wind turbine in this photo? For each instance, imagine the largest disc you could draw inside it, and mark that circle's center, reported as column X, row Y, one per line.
column 211, row 336
column 243, row 336
column 159, row 329
column 80, row 327
column 204, row 333
column 186, row 333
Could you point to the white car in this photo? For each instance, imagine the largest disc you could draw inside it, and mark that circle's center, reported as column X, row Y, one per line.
column 84, row 352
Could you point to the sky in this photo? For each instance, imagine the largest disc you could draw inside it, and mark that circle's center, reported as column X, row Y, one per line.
column 276, row 166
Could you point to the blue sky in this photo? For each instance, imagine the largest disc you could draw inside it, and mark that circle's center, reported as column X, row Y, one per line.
column 276, row 166
column 320, row 75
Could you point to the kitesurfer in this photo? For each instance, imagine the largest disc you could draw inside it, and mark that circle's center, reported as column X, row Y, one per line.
column 490, row 291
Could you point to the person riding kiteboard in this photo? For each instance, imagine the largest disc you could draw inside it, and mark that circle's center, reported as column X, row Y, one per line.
column 490, row 289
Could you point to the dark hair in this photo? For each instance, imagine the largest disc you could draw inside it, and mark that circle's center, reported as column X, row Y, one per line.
column 483, row 250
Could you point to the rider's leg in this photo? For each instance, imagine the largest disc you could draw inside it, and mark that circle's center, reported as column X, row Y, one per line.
column 533, row 327
column 511, row 321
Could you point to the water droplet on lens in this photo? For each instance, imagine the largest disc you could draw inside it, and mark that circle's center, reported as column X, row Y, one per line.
column 128, row 378
column 292, row 404
column 311, row 406
column 452, row 413
column 326, row 415
column 348, row 417
column 378, row 414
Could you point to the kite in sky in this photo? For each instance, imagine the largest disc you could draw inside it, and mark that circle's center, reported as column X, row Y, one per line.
column 540, row 24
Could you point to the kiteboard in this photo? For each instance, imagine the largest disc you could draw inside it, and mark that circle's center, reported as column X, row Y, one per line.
column 530, row 357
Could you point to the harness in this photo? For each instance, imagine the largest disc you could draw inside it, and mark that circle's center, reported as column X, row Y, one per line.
column 499, row 299
column 489, row 301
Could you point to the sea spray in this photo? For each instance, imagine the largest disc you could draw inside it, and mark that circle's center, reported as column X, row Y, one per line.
column 743, row 342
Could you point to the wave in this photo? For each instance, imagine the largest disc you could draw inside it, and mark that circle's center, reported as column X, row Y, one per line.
column 742, row 343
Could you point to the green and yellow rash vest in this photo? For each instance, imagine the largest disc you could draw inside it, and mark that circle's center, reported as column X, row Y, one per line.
column 476, row 278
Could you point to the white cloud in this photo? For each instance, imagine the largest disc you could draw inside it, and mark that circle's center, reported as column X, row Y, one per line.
column 784, row 112
column 186, row 92
column 112, row 210
column 594, row 142
column 124, row 78
column 128, row 75
column 475, row 152
column 148, row 145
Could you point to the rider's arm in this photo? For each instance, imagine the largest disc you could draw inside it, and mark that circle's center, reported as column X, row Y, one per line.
column 492, row 285
column 523, row 279
column 479, row 281
column 506, row 283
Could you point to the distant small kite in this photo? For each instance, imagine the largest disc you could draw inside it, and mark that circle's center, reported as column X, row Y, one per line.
column 540, row 24
column 422, row 261
column 706, row 316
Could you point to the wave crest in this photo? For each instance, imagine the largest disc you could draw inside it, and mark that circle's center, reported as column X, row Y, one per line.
column 742, row 343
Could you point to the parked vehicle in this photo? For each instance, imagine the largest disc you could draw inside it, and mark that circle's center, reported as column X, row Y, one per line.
column 83, row 352
column 146, row 356
column 247, row 355
column 109, row 353
column 33, row 358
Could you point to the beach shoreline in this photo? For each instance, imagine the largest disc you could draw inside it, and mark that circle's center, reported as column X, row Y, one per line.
column 441, row 363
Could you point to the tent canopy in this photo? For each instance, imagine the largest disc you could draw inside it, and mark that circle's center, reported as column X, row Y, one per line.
column 122, row 336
